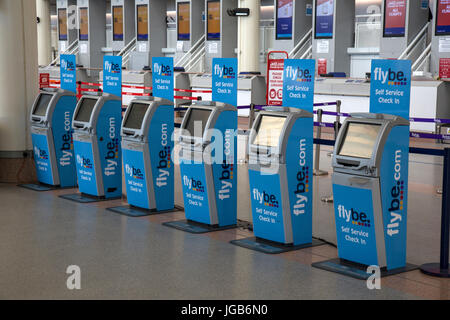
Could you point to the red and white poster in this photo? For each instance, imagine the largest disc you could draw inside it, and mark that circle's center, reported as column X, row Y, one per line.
column 275, row 68
column 44, row 80
column 321, row 66
column 444, row 68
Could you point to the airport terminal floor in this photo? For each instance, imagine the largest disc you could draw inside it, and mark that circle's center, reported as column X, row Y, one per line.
column 122, row 257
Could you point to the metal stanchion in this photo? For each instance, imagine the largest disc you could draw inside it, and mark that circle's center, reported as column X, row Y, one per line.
column 441, row 269
column 317, row 171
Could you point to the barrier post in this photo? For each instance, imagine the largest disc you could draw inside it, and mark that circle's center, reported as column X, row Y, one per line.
column 317, row 171
column 251, row 115
column 337, row 124
column 441, row 269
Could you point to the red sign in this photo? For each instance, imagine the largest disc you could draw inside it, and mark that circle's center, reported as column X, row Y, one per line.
column 321, row 66
column 275, row 67
column 44, row 80
column 444, row 68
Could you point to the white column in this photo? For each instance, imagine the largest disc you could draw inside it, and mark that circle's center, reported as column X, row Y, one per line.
column 18, row 72
column 248, row 37
column 44, row 36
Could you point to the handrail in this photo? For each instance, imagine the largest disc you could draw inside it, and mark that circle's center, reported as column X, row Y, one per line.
column 301, row 43
column 422, row 58
column 413, row 43
column 70, row 50
column 186, row 57
column 128, row 46
column 195, row 59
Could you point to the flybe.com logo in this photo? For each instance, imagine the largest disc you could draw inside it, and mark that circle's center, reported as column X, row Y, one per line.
column 134, row 172
column 397, row 194
column 84, row 162
column 353, row 216
column 302, row 189
column 67, row 65
column 193, row 184
column 112, row 67
column 392, row 78
column 41, row 153
column 224, row 72
column 264, row 198
column 298, row 74
column 162, row 70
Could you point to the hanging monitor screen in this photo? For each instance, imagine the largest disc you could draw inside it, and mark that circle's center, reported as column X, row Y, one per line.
column 117, row 15
column 184, row 21
column 42, row 104
column 136, row 115
column 269, row 131
column 442, row 18
column 359, row 140
column 142, row 22
column 196, row 122
column 84, row 24
column 62, row 24
column 324, row 19
column 284, row 12
column 394, row 18
column 85, row 110
column 213, row 21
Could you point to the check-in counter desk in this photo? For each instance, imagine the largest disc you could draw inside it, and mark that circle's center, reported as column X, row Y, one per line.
column 251, row 89
column 429, row 99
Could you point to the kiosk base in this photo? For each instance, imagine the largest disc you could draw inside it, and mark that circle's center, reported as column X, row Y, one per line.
column 356, row 270
column 271, row 247
column 38, row 186
column 132, row 211
column 85, row 198
column 434, row 269
column 196, row 227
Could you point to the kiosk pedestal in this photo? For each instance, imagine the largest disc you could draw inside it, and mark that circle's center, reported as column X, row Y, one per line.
column 51, row 133
column 147, row 146
column 96, row 125
column 208, row 168
column 280, row 176
column 370, row 195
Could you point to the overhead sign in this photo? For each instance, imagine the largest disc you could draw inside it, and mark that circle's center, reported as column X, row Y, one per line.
column 442, row 18
column 285, row 10
column 324, row 19
column 390, row 87
column 394, row 18
column 298, row 83
column 163, row 78
column 224, row 80
column 68, row 71
column 112, row 75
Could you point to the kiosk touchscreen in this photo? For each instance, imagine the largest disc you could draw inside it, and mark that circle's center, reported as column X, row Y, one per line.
column 208, row 169
column 147, row 146
column 51, row 132
column 96, row 125
column 370, row 165
column 279, row 179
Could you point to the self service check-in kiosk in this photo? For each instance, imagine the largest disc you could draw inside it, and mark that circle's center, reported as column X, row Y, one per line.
column 280, row 180
column 51, row 132
column 370, row 177
column 208, row 168
column 147, row 147
column 96, row 124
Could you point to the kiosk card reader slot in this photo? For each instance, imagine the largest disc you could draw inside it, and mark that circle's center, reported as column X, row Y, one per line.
column 280, row 172
column 208, row 143
column 147, row 146
column 96, row 125
column 370, row 191
column 51, row 133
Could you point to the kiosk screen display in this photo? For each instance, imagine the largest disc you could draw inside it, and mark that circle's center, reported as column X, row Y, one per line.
column 442, row 18
column 136, row 115
column 142, row 22
column 394, row 18
column 184, row 20
column 42, row 104
column 284, row 12
column 359, row 140
column 324, row 19
column 269, row 131
column 84, row 24
column 117, row 16
column 213, row 21
column 85, row 110
column 197, row 116
column 62, row 24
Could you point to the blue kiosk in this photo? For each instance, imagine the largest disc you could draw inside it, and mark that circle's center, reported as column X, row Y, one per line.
column 208, row 169
column 147, row 146
column 51, row 132
column 96, row 124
